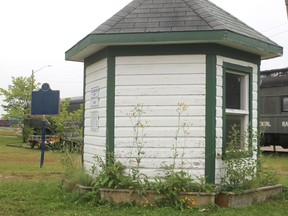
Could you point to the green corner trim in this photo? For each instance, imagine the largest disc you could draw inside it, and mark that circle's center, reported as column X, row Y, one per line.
column 110, row 110
column 210, row 147
column 83, row 120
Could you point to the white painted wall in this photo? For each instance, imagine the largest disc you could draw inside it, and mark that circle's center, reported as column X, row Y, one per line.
column 219, row 113
column 95, row 115
column 159, row 83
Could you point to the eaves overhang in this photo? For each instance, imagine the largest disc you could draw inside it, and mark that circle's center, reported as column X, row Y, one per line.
column 93, row 43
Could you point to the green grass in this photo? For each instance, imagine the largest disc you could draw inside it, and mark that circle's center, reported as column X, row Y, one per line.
column 18, row 160
column 279, row 164
column 47, row 198
column 27, row 190
column 9, row 131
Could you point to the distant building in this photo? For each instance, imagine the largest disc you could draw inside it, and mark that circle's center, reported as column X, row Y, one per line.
column 5, row 123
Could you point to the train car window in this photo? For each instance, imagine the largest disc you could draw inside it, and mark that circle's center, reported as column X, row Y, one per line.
column 270, row 105
column 285, row 104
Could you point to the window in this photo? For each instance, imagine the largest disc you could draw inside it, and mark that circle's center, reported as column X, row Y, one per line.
column 285, row 104
column 236, row 103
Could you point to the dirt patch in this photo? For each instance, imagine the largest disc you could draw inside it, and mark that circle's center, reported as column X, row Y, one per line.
column 31, row 176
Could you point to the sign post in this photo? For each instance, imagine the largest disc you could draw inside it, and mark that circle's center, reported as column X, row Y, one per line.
column 45, row 102
column 43, row 141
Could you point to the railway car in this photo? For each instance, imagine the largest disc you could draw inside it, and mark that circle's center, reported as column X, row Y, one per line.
column 274, row 107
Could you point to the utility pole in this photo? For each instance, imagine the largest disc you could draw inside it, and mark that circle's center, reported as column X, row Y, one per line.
column 33, row 75
column 286, row 1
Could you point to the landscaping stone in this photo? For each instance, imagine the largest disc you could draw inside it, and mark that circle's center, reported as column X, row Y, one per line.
column 247, row 197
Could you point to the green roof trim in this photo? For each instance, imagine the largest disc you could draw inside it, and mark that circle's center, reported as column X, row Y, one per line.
column 95, row 42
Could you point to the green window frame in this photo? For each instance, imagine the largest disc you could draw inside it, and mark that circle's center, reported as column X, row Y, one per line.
column 237, row 104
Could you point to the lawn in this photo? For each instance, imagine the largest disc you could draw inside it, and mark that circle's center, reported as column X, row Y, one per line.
column 27, row 189
column 18, row 160
column 280, row 165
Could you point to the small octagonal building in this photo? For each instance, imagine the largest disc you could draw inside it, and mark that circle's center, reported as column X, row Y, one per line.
column 167, row 75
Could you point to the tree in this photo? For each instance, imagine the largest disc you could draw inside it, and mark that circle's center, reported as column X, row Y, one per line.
column 68, row 126
column 18, row 101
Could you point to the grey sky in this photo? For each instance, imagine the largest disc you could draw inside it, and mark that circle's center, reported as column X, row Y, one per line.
column 36, row 33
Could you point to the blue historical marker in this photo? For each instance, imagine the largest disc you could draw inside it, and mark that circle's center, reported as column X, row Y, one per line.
column 45, row 102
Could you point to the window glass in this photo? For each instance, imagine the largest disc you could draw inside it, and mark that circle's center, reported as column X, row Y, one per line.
column 233, row 91
column 285, row 104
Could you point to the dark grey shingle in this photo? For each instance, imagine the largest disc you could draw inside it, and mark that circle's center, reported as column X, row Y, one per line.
column 175, row 15
column 149, row 25
column 159, row 29
column 151, row 6
column 161, row 19
column 172, row 24
column 162, row 10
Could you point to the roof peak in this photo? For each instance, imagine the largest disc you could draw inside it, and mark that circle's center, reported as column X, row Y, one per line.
column 141, row 16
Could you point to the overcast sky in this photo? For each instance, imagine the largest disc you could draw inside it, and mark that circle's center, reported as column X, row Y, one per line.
column 35, row 33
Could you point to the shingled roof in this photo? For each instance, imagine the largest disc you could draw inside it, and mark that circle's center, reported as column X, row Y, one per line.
column 195, row 20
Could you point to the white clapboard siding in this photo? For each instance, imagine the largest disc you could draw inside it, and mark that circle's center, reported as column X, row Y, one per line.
column 92, row 140
column 160, row 132
column 172, row 68
column 157, row 165
column 136, row 90
column 102, row 64
column 95, row 138
column 96, row 76
column 165, row 59
column 161, row 163
column 157, row 142
column 156, row 110
column 101, row 111
column 165, row 153
column 162, row 121
column 159, row 84
column 101, row 122
column 102, row 91
column 158, row 100
column 160, row 172
column 158, row 79
column 100, row 133
column 102, row 104
column 94, row 150
column 101, row 82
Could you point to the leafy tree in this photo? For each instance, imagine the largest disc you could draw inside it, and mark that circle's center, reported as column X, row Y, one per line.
column 17, row 101
column 68, row 125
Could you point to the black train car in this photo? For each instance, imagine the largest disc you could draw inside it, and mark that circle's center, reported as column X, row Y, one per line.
column 274, row 107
